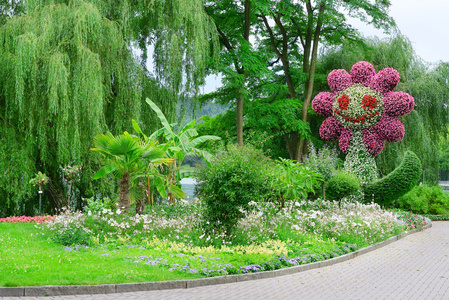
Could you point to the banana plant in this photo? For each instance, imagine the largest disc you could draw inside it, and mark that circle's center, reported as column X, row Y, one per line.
column 151, row 172
column 179, row 144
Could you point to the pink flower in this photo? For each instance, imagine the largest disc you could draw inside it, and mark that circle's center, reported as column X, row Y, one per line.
column 390, row 129
column 398, row 104
column 385, row 81
column 322, row 103
column 345, row 139
column 378, row 121
column 339, row 80
column 362, row 72
column 330, row 129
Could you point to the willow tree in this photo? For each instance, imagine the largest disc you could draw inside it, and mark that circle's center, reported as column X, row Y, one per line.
column 68, row 73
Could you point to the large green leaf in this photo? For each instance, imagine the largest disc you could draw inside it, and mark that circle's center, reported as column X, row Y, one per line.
column 161, row 117
column 176, row 191
column 153, row 153
column 123, row 144
column 202, row 139
column 138, row 130
column 105, row 170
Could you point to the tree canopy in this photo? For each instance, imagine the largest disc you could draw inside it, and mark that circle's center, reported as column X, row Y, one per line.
column 69, row 72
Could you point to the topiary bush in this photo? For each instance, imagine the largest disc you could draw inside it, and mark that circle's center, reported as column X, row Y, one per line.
column 231, row 180
column 423, row 199
column 342, row 185
column 384, row 191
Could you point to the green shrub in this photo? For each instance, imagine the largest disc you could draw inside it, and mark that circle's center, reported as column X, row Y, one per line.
column 342, row 185
column 424, row 199
column 231, row 180
column 397, row 183
column 293, row 181
column 324, row 161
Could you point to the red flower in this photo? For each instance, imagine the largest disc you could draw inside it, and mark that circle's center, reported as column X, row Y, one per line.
column 343, row 102
column 369, row 102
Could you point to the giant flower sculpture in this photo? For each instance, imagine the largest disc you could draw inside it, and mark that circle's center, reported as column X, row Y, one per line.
column 362, row 112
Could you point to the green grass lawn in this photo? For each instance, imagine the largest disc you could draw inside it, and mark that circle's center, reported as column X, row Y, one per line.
column 27, row 258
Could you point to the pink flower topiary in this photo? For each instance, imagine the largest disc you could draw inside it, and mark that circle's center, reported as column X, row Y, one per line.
column 363, row 101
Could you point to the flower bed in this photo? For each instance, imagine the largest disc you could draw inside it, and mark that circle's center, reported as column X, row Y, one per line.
column 26, row 219
column 267, row 238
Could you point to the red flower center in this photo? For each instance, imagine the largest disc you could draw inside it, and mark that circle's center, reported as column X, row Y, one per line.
column 343, row 101
column 369, row 102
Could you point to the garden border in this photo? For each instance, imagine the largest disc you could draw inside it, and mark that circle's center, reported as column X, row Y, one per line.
column 64, row 290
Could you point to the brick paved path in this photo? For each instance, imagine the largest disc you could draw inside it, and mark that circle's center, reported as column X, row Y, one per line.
column 415, row 267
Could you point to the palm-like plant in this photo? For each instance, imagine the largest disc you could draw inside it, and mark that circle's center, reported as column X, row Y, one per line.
column 179, row 144
column 125, row 154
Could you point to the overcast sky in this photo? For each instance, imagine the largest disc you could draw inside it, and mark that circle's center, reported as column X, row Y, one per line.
column 424, row 22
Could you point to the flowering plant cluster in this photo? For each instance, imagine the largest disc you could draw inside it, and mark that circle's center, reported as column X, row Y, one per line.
column 363, row 103
column 25, row 219
column 71, row 173
column 266, row 238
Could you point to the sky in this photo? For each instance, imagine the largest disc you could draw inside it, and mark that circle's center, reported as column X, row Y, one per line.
column 424, row 22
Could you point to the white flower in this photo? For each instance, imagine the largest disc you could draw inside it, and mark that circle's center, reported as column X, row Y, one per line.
column 118, row 211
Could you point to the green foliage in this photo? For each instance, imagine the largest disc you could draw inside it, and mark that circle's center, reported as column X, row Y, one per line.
column 127, row 156
column 97, row 205
column 423, row 199
column 342, row 185
column 324, row 161
column 293, row 181
column 233, row 179
column 395, row 184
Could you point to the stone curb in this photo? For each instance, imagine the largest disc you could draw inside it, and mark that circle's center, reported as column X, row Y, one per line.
column 63, row 290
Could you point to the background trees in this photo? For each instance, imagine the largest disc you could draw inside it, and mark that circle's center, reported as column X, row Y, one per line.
column 68, row 72
column 74, row 69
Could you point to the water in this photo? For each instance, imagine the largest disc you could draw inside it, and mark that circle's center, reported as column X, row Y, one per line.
column 188, row 186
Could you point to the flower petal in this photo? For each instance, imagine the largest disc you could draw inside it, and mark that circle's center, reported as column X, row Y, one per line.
column 386, row 80
column 372, row 141
column 339, row 80
column 330, row 129
column 390, row 129
column 362, row 72
column 398, row 104
column 322, row 103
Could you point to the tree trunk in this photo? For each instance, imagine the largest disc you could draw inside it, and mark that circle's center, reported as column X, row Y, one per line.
column 123, row 194
column 309, row 84
column 240, row 120
column 55, row 195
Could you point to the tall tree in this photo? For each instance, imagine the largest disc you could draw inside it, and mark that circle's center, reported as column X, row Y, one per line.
column 234, row 22
column 68, row 72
